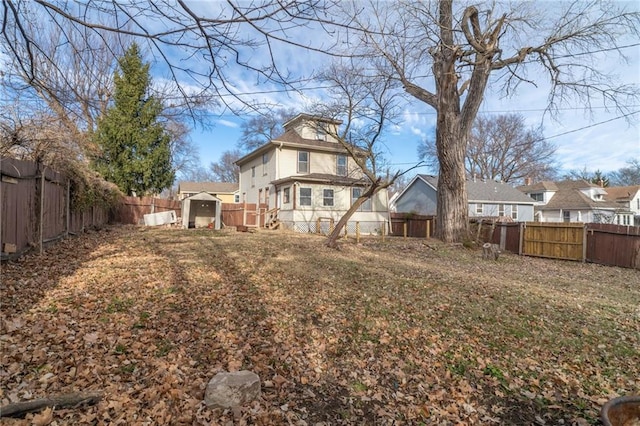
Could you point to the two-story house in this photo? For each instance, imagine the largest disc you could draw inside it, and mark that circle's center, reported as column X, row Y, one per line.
column 575, row 201
column 305, row 178
column 627, row 198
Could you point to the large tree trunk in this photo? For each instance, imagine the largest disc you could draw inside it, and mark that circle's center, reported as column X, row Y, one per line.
column 451, row 141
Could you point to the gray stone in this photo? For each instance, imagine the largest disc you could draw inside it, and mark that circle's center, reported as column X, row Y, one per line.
column 226, row 390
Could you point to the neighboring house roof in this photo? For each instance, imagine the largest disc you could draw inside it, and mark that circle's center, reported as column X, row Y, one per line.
column 487, row 191
column 569, row 196
column 211, row 187
column 621, row 193
column 321, row 178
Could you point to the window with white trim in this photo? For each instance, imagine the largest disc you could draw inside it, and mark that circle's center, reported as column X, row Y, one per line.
column 327, row 197
column 341, row 165
column 514, row 212
column 265, row 160
column 479, row 209
column 286, row 195
column 500, row 209
column 253, row 176
column 303, row 161
column 305, row 196
column 355, row 194
column 539, row 196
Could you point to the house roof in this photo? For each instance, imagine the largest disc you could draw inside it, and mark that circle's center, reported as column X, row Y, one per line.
column 568, row 195
column 211, row 187
column 621, row 193
column 487, row 191
column 539, row 186
column 322, row 178
column 310, row 117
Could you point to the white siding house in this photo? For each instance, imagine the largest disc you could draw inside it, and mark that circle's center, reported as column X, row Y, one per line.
column 305, row 175
column 575, row 201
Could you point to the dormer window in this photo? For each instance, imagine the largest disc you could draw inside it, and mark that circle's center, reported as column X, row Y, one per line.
column 321, row 133
column 537, row 196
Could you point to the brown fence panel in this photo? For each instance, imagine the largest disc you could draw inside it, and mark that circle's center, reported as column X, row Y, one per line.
column 18, row 198
column 232, row 214
column 554, row 240
column 615, row 245
column 133, row 209
column 416, row 225
column 507, row 236
column 54, row 220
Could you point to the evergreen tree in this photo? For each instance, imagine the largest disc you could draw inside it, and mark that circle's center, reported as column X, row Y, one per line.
column 135, row 148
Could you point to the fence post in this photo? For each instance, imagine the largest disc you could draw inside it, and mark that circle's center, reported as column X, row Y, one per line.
column 584, row 243
column 523, row 227
column 382, row 231
column 404, row 230
column 428, row 232
column 358, row 232
column 68, row 210
column 41, row 209
column 503, row 236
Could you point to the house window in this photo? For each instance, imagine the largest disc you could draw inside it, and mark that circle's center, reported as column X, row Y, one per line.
column 501, row 210
column 514, row 212
column 537, row 196
column 479, row 209
column 265, row 159
column 566, row 216
column 286, row 196
column 355, row 194
column 253, row 176
column 341, row 165
column 303, row 162
column 305, row 196
column 327, row 197
column 236, row 198
column 321, row 133
column 260, row 196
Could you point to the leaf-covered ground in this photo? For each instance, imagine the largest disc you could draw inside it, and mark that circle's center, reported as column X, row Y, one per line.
column 393, row 332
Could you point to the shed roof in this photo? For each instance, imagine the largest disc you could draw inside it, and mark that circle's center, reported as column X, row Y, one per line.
column 202, row 196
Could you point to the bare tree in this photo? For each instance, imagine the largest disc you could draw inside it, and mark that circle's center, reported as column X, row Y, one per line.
column 597, row 177
column 627, row 176
column 445, row 57
column 263, row 127
column 225, row 169
column 200, row 43
column 367, row 105
column 502, row 148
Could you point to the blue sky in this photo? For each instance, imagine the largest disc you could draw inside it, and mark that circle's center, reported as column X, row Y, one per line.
column 595, row 139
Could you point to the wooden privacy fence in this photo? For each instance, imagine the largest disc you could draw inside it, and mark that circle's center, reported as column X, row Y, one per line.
column 244, row 214
column 132, row 209
column 36, row 209
column 605, row 244
column 412, row 225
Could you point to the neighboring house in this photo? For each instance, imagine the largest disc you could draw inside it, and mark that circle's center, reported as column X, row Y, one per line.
column 305, row 175
column 627, row 198
column 485, row 198
column 575, row 201
column 224, row 191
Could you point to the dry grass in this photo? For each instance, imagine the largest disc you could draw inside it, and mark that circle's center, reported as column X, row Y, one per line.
column 395, row 332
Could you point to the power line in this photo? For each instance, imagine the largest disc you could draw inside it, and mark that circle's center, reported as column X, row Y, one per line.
column 559, row 134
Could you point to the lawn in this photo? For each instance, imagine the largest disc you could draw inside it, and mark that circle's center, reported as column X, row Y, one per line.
column 383, row 332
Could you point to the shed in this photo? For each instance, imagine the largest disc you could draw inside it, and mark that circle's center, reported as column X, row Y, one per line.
column 201, row 210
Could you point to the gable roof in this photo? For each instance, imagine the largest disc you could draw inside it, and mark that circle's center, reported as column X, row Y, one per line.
column 211, row 187
column 621, row 193
column 486, row 191
column 569, row 196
